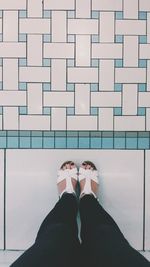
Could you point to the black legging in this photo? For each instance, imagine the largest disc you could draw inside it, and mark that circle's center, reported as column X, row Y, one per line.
column 57, row 243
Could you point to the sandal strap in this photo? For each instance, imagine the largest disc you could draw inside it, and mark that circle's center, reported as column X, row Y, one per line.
column 88, row 175
column 67, row 175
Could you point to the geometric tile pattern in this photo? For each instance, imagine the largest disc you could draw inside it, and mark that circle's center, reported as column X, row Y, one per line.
column 75, row 65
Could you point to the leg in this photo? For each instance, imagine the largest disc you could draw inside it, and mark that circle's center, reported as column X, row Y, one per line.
column 102, row 239
column 57, row 242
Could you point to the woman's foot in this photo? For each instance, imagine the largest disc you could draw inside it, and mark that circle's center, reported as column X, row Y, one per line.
column 67, row 178
column 88, row 178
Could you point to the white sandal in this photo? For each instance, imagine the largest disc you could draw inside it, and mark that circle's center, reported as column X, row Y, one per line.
column 88, row 175
column 67, row 175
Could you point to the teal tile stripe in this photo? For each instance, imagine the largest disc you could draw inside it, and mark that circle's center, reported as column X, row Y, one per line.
column 74, row 140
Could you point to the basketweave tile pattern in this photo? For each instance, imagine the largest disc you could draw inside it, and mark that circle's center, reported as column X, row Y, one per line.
column 75, row 65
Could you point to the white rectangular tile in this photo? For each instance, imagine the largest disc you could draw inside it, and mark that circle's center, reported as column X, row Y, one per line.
column 81, row 75
column 82, row 26
column 13, row 5
column 59, row 29
column 147, row 201
column 144, row 51
column 34, row 56
column 12, row 98
column 10, row 26
column 107, row 5
column 59, row 99
column 118, row 176
column 57, row 5
column 107, row 51
column 82, row 99
column 58, row 74
column 35, row 8
column 144, row 5
column 106, row 75
column 130, row 99
column 34, row 122
column 105, row 119
column 130, row 75
column 129, row 123
column 144, row 99
column 35, row 99
column 12, row 50
column 131, row 57
column 107, row 24
column 58, row 50
column 148, row 75
column 83, row 122
column 83, row 50
column 58, row 119
column 35, row 26
column 148, row 119
column 10, row 118
column 131, row 27
column 131, row 9
column 83, row 8
column 1, row 122
column 106, row 99
column 34, row 74
column 1, row 199
column 10, row 82
column 148, row 27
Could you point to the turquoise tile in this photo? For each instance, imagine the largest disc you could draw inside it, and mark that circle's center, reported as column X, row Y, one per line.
column 47, row 38
column 48, row 142
column 119, row 143
column 118, row 63
column 46, row 111
column 60, row 142
column 95, row 38
column 142, row 87
column 25, row 133
column 143, row 39
column 143, row 143
column 118, row 15
column 142, row 63
column 95, row 14
column 71, row 14
column 1, row 110
column 25, row 142
column 2, row 142
column 117, row 111
column 22, row 13
column 96, row 142
column 107, row 142
column 141, row 111
column 46, row 86
column 72, row 142
column 70, row 63
column 94, row 87
column 46, row 62
column 95, row 63
column 71, row 38
column 84, row 142
column 47, row 14
column 119, row 39
column 22, row 86
column 142, row 15
column 70, row 111
column 94, row 111
column 36, row 142
column 12, row 142
column 131, row 143
column 36, row 133
column 72, row 134
column 22, row 62
column 22, row 37
column 70, row 87
column 23, row 110
column 3, row 133
column 48, row 133
column 118, row 87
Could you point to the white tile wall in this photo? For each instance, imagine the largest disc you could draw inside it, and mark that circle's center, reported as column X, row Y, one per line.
column 1, row 199
column 31, row 190
column 147, row 201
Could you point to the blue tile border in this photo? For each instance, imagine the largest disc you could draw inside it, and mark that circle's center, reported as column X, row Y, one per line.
column 74, row 140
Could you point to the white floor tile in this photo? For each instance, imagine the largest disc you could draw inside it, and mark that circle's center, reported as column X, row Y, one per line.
column 147, row 201
column 1, row 199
